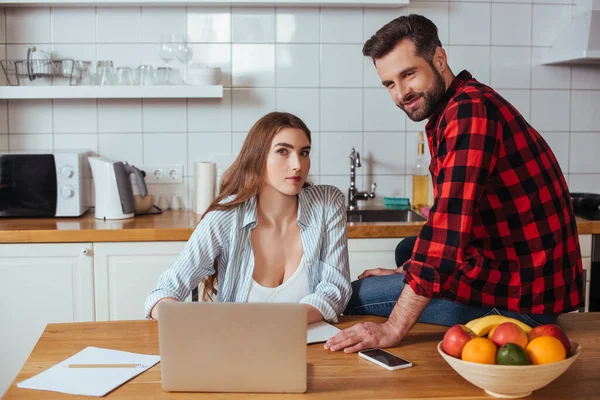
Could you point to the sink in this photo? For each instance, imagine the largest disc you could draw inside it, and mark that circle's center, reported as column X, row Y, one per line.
column 382, row 215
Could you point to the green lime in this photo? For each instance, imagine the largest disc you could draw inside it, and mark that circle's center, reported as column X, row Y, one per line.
column 512, row 354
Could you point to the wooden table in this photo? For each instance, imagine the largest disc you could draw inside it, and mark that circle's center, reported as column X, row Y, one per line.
column 330, row 375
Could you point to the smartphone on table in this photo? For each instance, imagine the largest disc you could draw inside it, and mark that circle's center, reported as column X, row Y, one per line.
column 385, row 359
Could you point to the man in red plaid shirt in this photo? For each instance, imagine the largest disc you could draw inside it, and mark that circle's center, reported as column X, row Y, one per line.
column 501, row 236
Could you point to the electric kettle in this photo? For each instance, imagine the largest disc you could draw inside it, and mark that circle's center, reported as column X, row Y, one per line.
column 113, row 188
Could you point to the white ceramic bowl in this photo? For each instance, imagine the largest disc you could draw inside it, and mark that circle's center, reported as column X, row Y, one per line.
column 204, row 76
column 510, row 381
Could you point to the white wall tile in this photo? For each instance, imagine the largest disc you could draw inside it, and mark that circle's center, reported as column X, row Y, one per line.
column 253, row 24
column 119, row 24
column 589, row 183
column 297, row 65
column 209, row 24
column 216, row 55
column 548, row 21
column 253, row 65
column 210, row 115
column 584, row 153
column 73, row 25
column 376, row 18
column 550, row 110
column 122, row 55
column 3, row 81
column 511, row 67
column 341, row 110
column 520, row 99
column 297, row 25
column 341, row 25
column 30, row 143
column 586, row 77
column 584, row 110
column 335, row 157
column 30, row 116
column 3, row 116
column 76, row 142
column 370, row 76
column 237, row 141
column 4, row 143
column 515, row 33
column 214, row 147
column 559, row 144
column 438, row 12
column 168, row 191
column 28, row 25
column 387, row 186
column 304, row 103
column 75, row 116
column 415, row 126
column 384, row 153
column 120, row 116
column 381, row 113
column 341, row 65
column 470, row 23
column 556, row 1
column 159, row 20
column 118, row 147
column 548, row 76
column 315, row 155
column 166, row 148
column 164, row 115
column 249, row 105
column 475, row 59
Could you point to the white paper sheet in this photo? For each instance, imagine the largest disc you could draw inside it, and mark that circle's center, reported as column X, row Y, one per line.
column 320, row 332
column 90, row 381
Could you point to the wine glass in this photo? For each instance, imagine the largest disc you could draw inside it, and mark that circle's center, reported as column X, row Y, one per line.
column 183, row 50
column 166, row 50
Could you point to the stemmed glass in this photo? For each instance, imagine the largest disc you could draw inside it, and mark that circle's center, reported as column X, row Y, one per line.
column 166, row 50
column 183, row 50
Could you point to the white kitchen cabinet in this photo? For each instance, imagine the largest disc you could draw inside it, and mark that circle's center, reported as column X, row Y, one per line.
column 124, row 274
column 371, row 253
column 41, row 284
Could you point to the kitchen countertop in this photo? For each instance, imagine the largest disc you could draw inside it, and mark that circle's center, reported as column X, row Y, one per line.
column 173, row 226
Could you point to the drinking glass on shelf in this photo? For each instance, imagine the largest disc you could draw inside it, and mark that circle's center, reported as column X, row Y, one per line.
column 84, row 68
column 166, row 49
column 124, row 76
column 162, row 75
column 145, row 75
column 104, row 73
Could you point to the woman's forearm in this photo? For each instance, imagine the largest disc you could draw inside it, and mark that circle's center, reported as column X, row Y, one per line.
column 154, row 312
column 312, row 314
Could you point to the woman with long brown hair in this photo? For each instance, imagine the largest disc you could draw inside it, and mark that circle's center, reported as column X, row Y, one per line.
column 269, row 236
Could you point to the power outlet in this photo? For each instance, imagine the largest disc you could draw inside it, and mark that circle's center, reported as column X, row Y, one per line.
column 163, row 174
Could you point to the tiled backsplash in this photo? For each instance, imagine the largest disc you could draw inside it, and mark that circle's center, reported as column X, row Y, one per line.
column 304, row 60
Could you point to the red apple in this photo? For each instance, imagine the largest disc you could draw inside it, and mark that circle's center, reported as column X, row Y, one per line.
column 455, row 339
column 554, row 331
column 508, row 332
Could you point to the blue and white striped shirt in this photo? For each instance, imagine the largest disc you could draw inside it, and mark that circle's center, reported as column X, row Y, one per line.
column 224, row 236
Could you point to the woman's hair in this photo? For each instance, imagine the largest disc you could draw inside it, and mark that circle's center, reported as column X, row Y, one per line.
column 419, row 29
column 246, row 176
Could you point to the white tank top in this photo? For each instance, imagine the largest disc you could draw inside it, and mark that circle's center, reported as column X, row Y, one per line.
column 290, row 291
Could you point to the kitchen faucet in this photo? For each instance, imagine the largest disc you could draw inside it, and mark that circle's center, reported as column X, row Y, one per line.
column 353, row 194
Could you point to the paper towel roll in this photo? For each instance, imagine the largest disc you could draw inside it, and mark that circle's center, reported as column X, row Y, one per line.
column 205, row 179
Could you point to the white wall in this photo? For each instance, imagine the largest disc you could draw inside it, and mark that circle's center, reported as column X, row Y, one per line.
column 307, row 61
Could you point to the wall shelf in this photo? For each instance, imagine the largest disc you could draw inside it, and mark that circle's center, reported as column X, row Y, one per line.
column 307, row 3
column 111, row 92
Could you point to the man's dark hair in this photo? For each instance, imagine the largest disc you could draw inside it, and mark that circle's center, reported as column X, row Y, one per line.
column 420, row 30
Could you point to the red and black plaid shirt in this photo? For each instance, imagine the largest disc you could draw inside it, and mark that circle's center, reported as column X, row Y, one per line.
column 501, row 232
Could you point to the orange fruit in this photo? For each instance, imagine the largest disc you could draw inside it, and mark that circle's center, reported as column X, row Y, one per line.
column 545, row 350
column 479, row 350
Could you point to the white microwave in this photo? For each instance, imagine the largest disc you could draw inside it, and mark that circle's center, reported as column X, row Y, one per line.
column 44, row 185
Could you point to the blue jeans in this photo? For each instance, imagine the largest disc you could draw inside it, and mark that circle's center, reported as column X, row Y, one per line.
column 378, row 295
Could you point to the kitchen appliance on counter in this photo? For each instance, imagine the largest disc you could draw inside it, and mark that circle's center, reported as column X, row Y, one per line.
column 586, row 205
column 113, row 188
column 44, row 185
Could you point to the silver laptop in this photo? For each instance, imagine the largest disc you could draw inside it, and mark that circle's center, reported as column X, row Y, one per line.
column 232, row 347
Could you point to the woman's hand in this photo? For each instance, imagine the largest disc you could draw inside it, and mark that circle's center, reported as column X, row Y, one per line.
column 379, row 272
column 154, row 312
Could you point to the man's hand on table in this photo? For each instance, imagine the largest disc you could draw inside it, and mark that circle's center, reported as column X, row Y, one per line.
column 365, row 336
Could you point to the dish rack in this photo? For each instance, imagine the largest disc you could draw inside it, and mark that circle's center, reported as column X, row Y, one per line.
column 22, row 72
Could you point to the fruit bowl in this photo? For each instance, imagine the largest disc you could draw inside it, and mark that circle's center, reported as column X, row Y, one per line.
column 524, row 379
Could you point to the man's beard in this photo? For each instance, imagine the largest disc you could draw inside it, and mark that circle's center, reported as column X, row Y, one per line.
column 431, row 98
